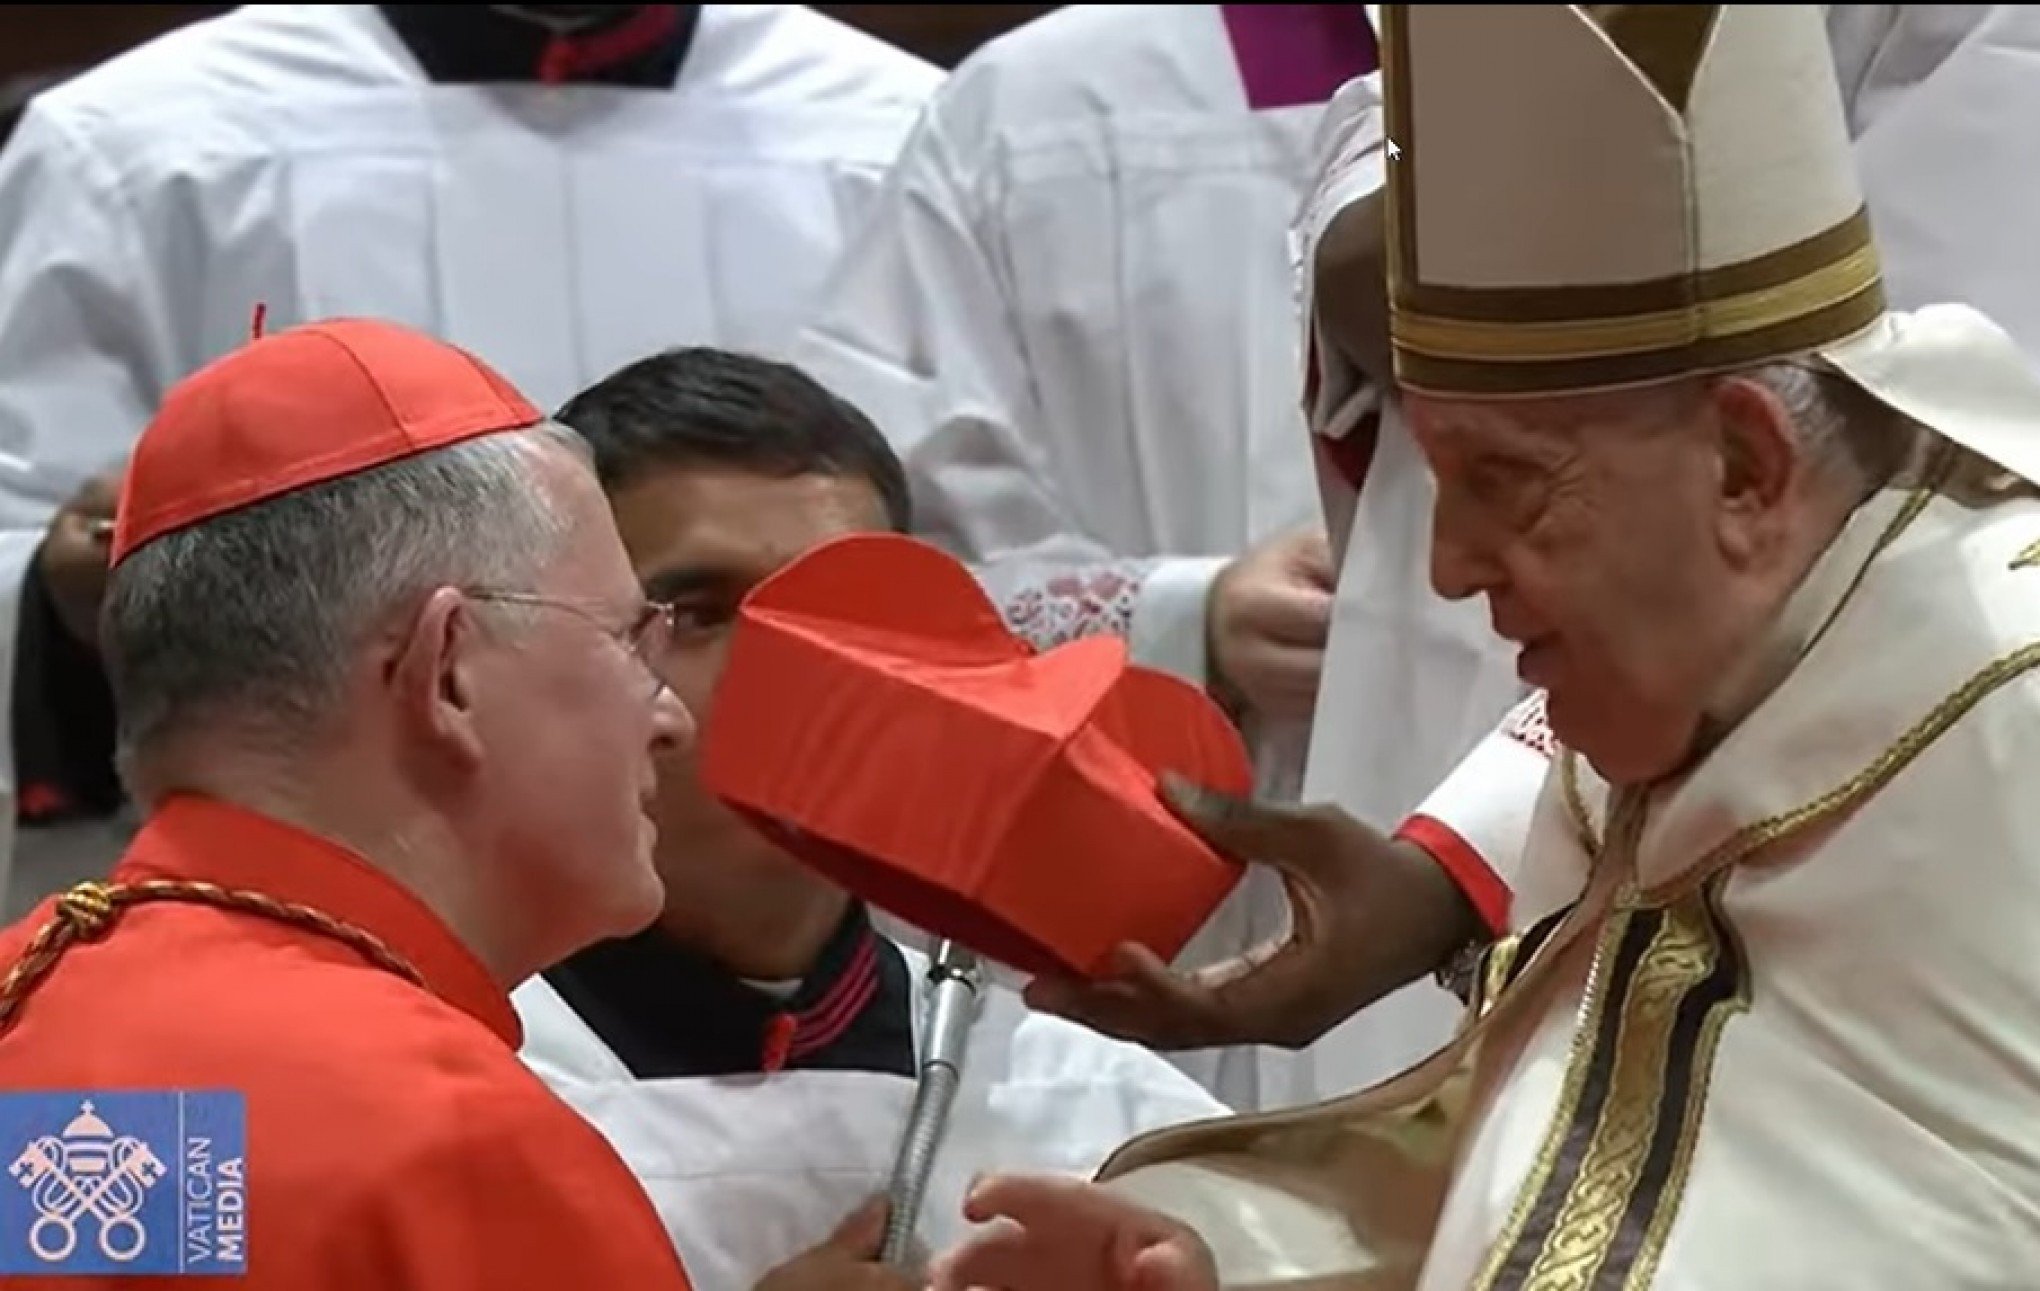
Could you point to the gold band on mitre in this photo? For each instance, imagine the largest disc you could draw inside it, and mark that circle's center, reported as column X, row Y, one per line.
column 1671, row 118
column 1548, row 339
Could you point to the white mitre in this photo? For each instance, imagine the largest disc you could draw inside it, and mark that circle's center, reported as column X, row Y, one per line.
column 1584, row 197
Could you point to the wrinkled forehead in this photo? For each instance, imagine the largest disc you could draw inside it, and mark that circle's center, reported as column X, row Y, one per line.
column 1545, row 423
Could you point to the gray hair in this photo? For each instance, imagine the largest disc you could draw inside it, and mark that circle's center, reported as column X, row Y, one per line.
column 253, row 618
column 1841, row 425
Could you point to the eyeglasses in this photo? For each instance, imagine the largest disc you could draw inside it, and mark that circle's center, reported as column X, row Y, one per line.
column 648, row 637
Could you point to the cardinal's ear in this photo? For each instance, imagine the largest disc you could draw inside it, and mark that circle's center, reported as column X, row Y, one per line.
column 432, row 670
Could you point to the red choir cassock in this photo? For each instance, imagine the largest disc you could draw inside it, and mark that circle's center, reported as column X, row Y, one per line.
column 249, row 1052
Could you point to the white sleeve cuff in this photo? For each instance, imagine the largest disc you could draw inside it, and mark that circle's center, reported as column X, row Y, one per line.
column 1477, row 822
column 1167, row 631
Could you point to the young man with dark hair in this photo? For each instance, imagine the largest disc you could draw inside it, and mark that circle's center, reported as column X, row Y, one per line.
column 753, row 1055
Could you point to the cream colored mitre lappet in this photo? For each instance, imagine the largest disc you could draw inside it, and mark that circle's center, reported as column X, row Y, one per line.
column 1578, row 198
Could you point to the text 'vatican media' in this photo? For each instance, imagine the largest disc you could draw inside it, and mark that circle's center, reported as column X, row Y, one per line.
column 137, row 1182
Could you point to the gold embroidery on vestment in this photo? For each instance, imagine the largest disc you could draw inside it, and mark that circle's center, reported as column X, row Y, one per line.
column 1576, row 803
column 1587, row 1224
column 1625, row 825
column 1657, row 1043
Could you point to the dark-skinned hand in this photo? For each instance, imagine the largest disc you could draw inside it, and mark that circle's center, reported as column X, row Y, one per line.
column 1368, row 915
column 74, row 553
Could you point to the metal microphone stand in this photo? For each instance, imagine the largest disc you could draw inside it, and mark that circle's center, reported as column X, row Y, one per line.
column 955, row 981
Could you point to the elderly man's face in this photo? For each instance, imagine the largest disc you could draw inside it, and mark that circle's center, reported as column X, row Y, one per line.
column 1625, row 542
column 578, row 719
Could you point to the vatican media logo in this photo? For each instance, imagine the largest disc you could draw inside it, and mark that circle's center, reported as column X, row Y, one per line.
column 137, row 1182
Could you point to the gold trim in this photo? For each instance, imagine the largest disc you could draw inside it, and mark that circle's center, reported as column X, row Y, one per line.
column 1684, row 954
column 1705, row 1047
column 1588, row 1222
column 1436, row 336
column 1504, row 961
column 1796, row 335
column 1754, row 837
column 1576, row 802
column 1593, row 1002
column 1625, row 830
column 1563, row 302
column 2028, row 558
column 1580, row 1232
column 1494, row 974
column 1934, row 475
column 1399, row 126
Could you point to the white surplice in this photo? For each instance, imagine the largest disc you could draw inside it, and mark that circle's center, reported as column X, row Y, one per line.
column 749, row 1171
column 297, row 157
column 1944, row 106
column 1074, row 315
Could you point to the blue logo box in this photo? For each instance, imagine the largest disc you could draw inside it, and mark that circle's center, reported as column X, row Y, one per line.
column 139, row 1182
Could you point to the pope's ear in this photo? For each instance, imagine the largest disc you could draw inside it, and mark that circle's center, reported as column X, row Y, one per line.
column 1350, row 286
column 432, row 673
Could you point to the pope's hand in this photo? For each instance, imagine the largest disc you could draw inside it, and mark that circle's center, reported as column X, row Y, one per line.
column 74, row 555
column 1368, row 914
column 847, row 1261
column 1270, row 616
column 1049, row 1234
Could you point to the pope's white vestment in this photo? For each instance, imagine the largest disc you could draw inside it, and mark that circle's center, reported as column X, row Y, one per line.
column 1793, row 1054
column 1781, row 1042
column 1939, row 101
column 1761, row 1023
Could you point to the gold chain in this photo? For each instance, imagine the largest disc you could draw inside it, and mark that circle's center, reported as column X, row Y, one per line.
column 89, row 911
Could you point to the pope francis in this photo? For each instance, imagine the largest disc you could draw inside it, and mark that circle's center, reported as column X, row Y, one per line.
column 1770, row 549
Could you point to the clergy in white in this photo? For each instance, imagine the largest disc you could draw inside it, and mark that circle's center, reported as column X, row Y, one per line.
column 753, row 1056
column 1768, row 547
column 559, row 199
column 1073, row 313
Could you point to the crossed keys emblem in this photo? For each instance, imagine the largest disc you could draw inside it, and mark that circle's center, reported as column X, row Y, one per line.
column 89, row 1171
